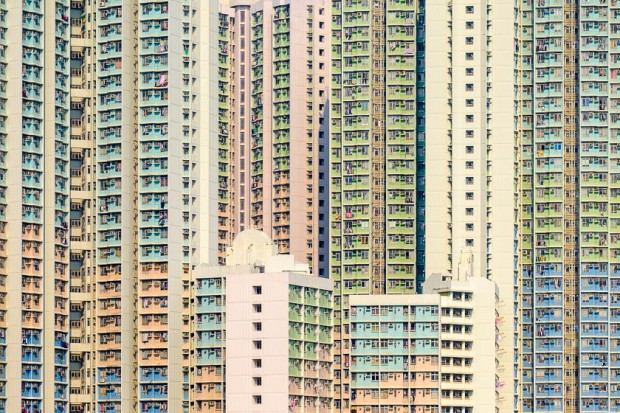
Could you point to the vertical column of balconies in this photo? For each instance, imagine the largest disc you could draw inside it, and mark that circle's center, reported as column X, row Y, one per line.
column 457, row 351
column 3, row 201
column 424, row 361
column 55, row 306
column 188, row 182
column 109, row 187
column 524, row 123
column 33, row 199
column 44, row 204
column 294, row 39
column 116, row 203
column 153, row 304
column 15, row 141
column 225, row 226
column 547, row 254
column 335, row 191
column 356, row 151
column 594, row 165
column 83, row 206
column 614, row 210
column 324, row 351
column 258, row 118
column 310, row 350
column 400, row 145
column 209, row 339
column 281, row 124
column 296, row 348
column 354, row 166
column 162, row 188
column 420, row 242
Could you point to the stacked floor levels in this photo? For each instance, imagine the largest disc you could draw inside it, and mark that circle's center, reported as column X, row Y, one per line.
column 34, row 205
column 432, row 352
column 569, row 266
column 142, row 193
column 376, row 158
column 272, row 90
column 263, row 329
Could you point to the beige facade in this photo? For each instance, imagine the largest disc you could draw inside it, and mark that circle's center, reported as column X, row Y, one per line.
column 470, row 152
column 83, row 207
column 134, row 161
column 432, row 352
column 34, row 206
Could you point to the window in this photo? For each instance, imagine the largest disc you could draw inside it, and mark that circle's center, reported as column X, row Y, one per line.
column 469, row 71
column 469, row 9
column 469, row 242
column 469, row 165
column 469, row 149
column 469, row 103
column 469, row 41
column 258, row 344
column 469, row 118
column 469, row 25
column 469, row 196
column 469, row 56
column 469, row 87
column 258, row 381
column 469, row 180
column 469, row 211
column 469, row 227
column 258, row 363
column 258, row 308
column 258, row 290
column 469, row 134
column 258, row 326
column 258, row 399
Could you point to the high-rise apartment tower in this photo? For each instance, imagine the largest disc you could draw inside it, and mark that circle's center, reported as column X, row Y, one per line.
column 83, row 207
column 471, row 155
column 34, row 205
column 567, row 58
column 272, row 92
column 376, row 158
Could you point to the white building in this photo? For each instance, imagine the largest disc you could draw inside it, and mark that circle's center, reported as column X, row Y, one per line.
column 277, row 353
column 470, row 151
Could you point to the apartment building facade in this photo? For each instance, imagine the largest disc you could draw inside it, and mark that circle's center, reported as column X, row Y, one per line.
column 566, row 61
column 431, row 352
column 272, row 91
column 471, row 179
column 349, row 79
column 34, row 205
column 145, row 172
column 83, row 208
column 376, row 159
column 263, row 328
column 133, row 165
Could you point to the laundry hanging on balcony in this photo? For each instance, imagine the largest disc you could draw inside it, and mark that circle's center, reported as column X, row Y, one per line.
column 162, row 82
